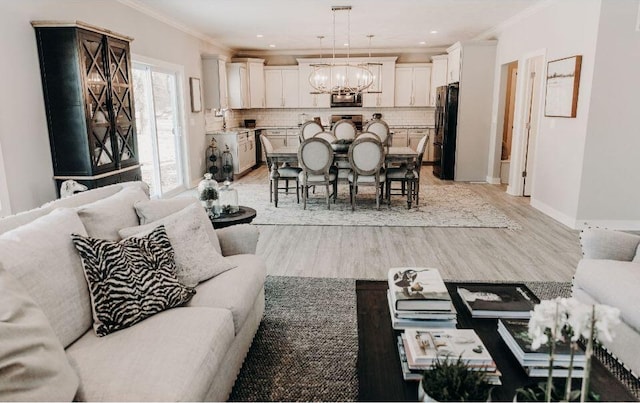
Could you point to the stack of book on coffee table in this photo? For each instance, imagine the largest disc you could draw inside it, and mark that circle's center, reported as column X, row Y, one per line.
column 498, row 300
column 418, row 298
column 536, row 363
column 420, row 349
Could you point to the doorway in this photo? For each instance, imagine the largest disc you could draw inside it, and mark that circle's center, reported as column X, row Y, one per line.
column 160, row 139
column 532, row 108
column 507, row 128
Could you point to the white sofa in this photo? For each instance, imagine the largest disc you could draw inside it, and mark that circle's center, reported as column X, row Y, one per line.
column 609, row 274
column 189, row 353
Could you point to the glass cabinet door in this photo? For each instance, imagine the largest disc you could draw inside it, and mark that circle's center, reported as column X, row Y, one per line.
column 122, row 102
column 96, row 77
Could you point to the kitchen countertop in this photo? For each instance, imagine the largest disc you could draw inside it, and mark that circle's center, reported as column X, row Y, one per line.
column 246, row 129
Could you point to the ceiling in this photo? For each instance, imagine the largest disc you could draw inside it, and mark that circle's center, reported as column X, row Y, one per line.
column 292, row 26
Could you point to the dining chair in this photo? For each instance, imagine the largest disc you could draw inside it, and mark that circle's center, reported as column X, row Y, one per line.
column 366, row 156
column 315, row 157
column 344, row 129
column 399, row 175
column 309, row 129
column 369, row 135
column 287, row 173
column 326, row 136
column 379, row 127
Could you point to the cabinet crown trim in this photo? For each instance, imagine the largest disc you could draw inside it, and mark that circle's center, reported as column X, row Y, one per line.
column 79, row 24
column 344, row 59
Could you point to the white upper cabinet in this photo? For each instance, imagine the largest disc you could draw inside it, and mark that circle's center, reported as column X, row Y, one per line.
column 454, row 59
column 383, row 87
column 214, row 82
column 438, row 76
column 306, row 97
column 238, row 84
column 245, row 79
column 281, row 87
column 412, row 84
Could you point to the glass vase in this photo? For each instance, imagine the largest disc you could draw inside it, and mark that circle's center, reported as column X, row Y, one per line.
column 228, row 199
column 209, row 195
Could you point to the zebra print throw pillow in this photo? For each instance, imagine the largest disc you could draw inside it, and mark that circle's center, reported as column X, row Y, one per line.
column 130, row 280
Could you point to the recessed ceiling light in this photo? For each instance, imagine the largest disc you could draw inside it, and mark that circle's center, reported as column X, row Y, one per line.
column 434, row 32
column 423, row 43
column 346, row 44
column 272, row 46
column 259, row 36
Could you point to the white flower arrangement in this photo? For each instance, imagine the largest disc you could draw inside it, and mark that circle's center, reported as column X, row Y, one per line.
column 566, row 319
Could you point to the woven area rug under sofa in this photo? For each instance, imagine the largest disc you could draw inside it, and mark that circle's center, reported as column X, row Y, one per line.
column 75, row 325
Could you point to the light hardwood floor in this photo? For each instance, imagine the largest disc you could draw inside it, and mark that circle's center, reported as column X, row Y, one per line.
column 542, row 250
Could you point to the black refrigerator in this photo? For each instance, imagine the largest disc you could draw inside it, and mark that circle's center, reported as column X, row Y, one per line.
column 446, row 122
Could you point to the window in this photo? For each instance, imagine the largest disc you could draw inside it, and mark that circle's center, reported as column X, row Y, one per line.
column 159, row 128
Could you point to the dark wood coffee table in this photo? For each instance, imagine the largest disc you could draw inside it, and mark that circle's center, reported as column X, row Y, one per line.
column 244, row 216
column 379, row 372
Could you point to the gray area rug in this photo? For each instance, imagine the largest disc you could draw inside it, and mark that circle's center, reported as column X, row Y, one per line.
column 307, row 345
column 440, row 206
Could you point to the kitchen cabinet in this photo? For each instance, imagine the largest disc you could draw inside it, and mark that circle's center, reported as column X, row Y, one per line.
column 438, row 76
column 242, row 145
column 283, row 137
column 383, row 88
column 412, row 84
column 281, row 87
column 399, row 137
column 454, row 59
column 306, row 96
column 88, row 94
column 214, row 78
column 245, row 79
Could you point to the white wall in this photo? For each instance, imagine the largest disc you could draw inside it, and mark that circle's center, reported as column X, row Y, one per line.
column 23, row 129
column 564, row 28
column 610, row 185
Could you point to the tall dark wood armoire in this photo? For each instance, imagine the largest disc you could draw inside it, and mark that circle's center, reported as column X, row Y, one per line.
column 88, row 95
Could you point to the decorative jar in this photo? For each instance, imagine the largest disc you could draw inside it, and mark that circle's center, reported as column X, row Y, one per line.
column 227, row 165
column 228, row 199
column 212, row 159
column 209, row 195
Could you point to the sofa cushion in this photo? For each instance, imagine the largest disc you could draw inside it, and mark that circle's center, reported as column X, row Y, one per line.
column 636, row 258
column 196, row 259
column 130, row 280
column 172, row 356
column 103, row 218
column 41, row 256
column 33, row 366
column 235, row 290
column 607, row 282
column 153, row 210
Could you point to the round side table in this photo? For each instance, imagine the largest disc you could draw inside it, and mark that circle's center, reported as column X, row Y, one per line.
column 244, row 216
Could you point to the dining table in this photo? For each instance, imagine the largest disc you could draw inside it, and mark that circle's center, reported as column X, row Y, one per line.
column 402, row 155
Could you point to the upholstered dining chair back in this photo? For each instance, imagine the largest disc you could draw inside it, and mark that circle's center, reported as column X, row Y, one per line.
column 344, row 129
column 379, row 127
column 310, row 129
column 366, row 156
column 326, row 136
column 422, row 146
column 369, row 135
column 315, row 156
column 266, row 144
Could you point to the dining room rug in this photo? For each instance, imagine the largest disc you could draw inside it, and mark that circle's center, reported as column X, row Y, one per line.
column 453, row 205
column 307, row 344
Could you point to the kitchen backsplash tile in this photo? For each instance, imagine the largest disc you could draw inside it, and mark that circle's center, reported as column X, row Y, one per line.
column 291, row 117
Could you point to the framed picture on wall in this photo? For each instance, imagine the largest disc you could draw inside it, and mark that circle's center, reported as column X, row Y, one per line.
column 196, row 96
column 563, row 81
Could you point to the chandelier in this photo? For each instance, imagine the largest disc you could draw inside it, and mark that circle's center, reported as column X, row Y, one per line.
column 340, row 77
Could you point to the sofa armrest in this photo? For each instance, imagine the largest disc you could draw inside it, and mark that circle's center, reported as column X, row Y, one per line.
column 238, row 239
column 599, row 243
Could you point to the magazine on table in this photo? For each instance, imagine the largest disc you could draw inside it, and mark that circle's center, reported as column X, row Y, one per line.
column 427, row 345
column 418, row 288
column 485, row 300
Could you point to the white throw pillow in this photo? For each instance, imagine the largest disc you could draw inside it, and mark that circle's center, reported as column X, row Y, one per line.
column 153, row 210
column 103, row 218
column 196, row 258
column 33, row 364
column 636, row 259
column 41, row 256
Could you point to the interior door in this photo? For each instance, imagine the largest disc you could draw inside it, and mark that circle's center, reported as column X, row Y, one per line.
column 531, row 125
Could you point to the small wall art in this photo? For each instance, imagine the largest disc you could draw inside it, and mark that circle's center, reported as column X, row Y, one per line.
column 196, row 96
column 563, row 81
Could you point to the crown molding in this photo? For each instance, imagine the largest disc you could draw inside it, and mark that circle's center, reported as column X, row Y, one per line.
column 355, row 53
column 492, row 33
column 136, row 5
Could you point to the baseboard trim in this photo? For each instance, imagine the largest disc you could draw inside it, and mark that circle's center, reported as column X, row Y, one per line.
column 621, row 225
column 493, row 181
column 553, row 213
